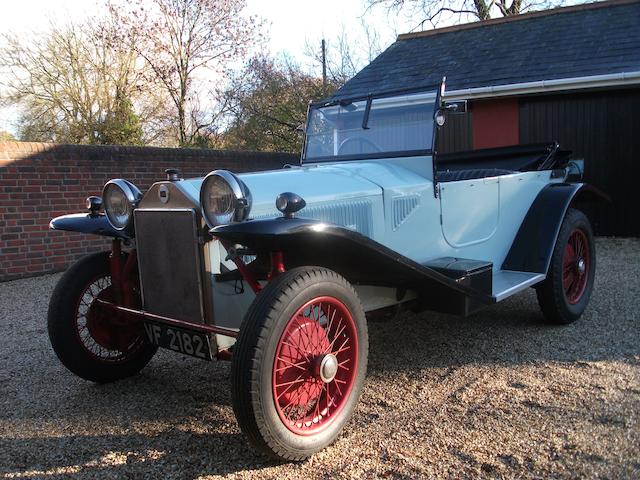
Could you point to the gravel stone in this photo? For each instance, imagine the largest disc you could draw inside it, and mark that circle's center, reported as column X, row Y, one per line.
column 499, row 394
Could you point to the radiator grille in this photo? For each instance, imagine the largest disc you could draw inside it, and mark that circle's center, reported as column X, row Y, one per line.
column 169, row 260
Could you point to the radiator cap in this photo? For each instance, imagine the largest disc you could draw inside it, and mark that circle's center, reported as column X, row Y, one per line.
column 173, row 174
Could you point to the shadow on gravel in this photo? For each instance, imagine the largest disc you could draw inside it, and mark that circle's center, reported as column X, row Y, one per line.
column 172, row 418
column 510, row 333
column 171, row 454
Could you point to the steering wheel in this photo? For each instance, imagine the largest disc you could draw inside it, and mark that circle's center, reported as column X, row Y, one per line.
column 362, row 141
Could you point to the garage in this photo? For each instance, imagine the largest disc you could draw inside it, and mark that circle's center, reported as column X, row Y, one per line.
column 569, row 75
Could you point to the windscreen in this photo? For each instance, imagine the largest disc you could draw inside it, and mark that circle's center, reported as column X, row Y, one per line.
column 394, row 126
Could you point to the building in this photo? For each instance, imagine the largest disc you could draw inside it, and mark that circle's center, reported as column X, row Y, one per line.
column 569, row 74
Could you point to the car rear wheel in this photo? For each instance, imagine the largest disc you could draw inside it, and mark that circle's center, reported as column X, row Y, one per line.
column 299, row 363
column 93, row 343
column 564, row 294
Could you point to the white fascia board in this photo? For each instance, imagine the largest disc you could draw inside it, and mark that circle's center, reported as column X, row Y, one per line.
column 545, row 86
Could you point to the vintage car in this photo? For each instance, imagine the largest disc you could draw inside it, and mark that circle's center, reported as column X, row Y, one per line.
column 277, row 270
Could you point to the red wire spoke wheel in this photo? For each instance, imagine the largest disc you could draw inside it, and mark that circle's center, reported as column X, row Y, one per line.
column 575, row 266
column 299, row 363
column 315, row 365
column 564, row 294
column 92, row 342
column 102, row 333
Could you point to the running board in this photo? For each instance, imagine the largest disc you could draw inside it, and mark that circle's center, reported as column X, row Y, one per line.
column 508, row 282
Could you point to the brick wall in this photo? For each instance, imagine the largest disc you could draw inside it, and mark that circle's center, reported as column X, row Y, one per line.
column 40, row 181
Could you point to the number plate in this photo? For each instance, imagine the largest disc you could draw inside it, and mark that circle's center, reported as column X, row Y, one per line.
column 188, row 342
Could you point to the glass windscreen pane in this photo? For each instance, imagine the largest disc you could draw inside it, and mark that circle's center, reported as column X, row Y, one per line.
column 395, row 125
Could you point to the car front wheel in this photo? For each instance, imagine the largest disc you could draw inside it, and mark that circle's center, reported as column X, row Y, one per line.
column 93, row 343
column 299, row 363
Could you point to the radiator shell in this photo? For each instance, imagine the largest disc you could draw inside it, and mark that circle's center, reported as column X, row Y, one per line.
column 170, row 261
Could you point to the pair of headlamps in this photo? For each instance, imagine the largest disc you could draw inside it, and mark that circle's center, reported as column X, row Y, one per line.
column 224, row 199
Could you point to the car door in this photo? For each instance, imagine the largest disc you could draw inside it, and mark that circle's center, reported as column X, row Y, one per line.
column 470, row 210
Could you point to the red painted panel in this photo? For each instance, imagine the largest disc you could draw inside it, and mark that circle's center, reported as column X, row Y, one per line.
column 495, row 123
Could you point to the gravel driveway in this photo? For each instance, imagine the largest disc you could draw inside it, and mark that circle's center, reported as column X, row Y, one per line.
column 498, row 394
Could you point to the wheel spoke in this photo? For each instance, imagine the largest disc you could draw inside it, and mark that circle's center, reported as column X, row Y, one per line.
column 568, row 279
column 341, row 348
column 344, row 362
column 290, row 365
column 316, row 410
column 302, row 331
column 294, row 346
column 297, row 395
column 297, row 380
column 337, row 386
column 318, row 345
column 336, row 337
column 327, row 396
column 331, row 321
column 285, row 391
column 304, row 345
column 578, row 246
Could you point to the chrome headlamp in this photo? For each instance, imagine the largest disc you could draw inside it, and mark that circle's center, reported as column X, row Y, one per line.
column 224, row 198
column 119, row 199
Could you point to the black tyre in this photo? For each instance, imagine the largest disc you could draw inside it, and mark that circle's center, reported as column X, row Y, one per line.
column 94, row 344
column 299, row 363
column 564, row 294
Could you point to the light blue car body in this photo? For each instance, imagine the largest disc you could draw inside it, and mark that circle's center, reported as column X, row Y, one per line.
column 392, row 201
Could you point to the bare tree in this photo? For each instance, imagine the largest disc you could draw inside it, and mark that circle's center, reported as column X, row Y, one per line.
column 71, row 86
column 182, row 39
column 347, row 53
column 434, row 11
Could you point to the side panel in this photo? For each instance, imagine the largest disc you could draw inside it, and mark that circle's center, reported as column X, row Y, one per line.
column 470, row 210
column 516, row 194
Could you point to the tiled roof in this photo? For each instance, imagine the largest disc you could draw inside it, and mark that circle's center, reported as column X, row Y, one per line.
column 586, row 40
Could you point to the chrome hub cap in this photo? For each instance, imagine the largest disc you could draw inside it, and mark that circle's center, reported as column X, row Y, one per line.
column 328, row 368
column 582, row 267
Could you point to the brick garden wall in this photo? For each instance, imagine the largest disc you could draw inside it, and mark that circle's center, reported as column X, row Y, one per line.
column 40, row 181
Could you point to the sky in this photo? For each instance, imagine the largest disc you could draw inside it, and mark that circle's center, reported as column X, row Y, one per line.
column 290, row 23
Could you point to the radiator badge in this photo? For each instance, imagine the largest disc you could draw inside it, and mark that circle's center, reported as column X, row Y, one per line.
column 163, row 193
